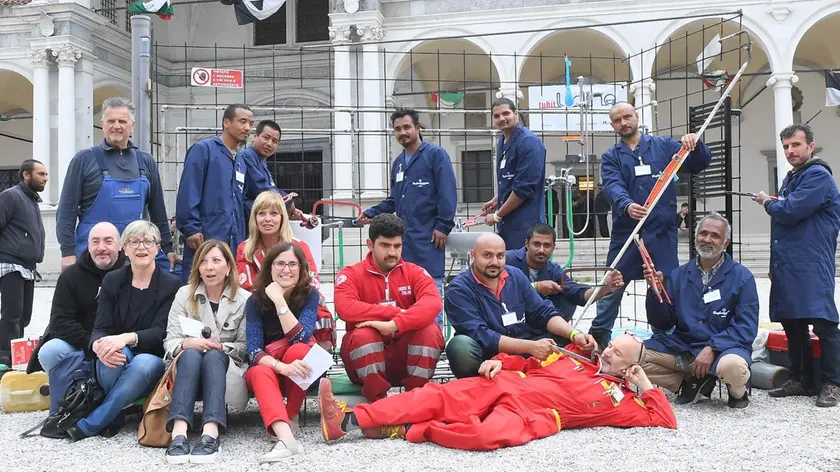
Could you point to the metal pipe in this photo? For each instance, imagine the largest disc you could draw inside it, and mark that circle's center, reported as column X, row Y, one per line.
column 163, row 109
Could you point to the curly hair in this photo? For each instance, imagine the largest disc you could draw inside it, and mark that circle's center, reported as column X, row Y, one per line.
column 295, row 297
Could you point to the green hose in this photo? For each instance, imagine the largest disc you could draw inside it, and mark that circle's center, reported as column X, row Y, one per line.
column 571, row 227
column 340, row 247
column 550, row 195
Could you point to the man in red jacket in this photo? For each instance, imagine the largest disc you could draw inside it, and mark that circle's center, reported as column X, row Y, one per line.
column 513, row 401
column 389, row 306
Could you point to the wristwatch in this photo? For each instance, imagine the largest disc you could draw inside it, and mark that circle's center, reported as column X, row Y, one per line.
column 283, row 310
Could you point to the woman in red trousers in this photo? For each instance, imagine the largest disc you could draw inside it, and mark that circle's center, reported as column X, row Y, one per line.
column 280, row 320
column 268, row 226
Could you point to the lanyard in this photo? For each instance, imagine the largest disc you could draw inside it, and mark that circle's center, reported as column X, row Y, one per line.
column 387, row 289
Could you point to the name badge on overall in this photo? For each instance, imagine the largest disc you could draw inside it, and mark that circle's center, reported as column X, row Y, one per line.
column 400, row 176
column 240, row 177
column 712, row 296
column 642, row 170
column 509, row 317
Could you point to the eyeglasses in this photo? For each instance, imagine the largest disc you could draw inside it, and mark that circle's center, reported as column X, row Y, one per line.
column 280, row 265
column 641, row 349
column 147, row 243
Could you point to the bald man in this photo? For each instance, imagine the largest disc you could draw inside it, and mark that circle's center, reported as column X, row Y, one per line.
column 629, row 170
column 495, row 309
column 514, row 401
column 75, row 298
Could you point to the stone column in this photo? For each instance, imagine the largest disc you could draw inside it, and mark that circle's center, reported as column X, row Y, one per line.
column 66, row 58
column 374, row 161
column 86, row 136
column 41, row 119
column 783, row 101
column 342, row 142
column 643, row 98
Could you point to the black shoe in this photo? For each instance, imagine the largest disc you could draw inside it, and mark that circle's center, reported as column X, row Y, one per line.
column 178, row 451
column 739, row 403
column 76, row 434
column 205, row 451
column 829, row 396
column 791, row 388
column 692, row 389
column 111, row 431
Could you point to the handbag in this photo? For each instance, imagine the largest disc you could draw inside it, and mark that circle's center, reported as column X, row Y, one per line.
column 82, row 394
column 151, row 431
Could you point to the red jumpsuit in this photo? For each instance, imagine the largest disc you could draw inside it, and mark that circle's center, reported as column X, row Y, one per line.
column 409, row 358
column 523, row 402
column 324, row 332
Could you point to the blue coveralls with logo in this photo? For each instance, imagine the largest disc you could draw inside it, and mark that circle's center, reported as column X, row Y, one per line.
column 628, row 177
column 209, row 198
column 423, row 195
column 574, row 294
column 119, row 201
column 258, row 179
column 722, row 314
column 521, row 171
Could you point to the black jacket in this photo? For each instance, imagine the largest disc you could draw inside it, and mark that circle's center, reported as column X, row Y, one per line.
column 22, row 233
column 74, row 305
column 147, row 319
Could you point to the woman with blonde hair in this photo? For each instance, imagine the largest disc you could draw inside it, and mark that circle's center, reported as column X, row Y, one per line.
column 268, row 226
column 206, row 333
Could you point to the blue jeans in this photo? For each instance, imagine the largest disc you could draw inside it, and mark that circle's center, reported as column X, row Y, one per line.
column 439, row 318
column 53, row 351
column 205, row 373
column 124, row 384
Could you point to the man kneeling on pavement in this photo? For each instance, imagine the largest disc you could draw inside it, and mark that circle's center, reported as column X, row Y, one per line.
column 514, row 401
column 714, row 316
column 494, row 309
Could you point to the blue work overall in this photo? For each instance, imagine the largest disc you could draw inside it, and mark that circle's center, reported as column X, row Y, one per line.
column 118, row 202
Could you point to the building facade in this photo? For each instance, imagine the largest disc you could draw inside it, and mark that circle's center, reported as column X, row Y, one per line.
column 329, row 71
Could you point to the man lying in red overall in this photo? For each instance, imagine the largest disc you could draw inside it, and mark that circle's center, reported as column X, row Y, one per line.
column 513, row 401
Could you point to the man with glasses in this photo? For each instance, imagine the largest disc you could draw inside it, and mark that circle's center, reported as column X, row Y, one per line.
column 514, row 401
column 715, row 319
column 389, row 306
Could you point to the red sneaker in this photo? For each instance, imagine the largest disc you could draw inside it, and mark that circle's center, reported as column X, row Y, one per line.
column 332, row 412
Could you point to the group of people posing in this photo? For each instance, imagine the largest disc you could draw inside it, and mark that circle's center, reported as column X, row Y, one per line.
column 522, row 371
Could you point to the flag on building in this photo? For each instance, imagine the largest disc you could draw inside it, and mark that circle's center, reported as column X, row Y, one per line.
column 251, row 11
column 161, row 8
column 832, row 89
column 447, row 99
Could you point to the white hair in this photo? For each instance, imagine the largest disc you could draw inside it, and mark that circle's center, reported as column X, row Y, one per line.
column 715, row 216
column 118, row 102
column 140, row 229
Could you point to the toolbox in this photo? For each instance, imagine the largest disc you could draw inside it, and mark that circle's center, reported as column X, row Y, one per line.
column 777, row 347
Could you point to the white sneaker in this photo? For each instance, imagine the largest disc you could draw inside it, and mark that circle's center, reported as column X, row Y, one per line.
column 281, row 451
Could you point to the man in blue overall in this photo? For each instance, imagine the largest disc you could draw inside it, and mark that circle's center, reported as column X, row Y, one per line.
column 253, row 162
column 114, row 182
column 714, row 315
column 521, row 176
column 629, row 170
column 209, row 202
column 534, row 260
column 423, row 195
column 804, row 223
column 494, row 309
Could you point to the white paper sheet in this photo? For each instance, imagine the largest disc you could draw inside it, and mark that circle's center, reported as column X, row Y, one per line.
column 319, row 360
column 190, row 327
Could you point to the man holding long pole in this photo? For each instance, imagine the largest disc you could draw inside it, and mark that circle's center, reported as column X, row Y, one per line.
column 630, row 170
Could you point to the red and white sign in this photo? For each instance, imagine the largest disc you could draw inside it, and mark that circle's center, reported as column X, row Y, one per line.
column 206, row 77
column 21, row 352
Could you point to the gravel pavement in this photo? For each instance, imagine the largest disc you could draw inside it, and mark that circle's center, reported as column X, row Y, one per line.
column 770, row 435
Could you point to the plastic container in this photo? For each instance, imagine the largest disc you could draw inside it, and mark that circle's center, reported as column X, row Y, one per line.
column 20, row 391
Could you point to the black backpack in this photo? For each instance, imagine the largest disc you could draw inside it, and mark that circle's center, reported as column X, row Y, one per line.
column 81, row 397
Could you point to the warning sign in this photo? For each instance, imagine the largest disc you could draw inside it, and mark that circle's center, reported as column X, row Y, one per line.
column 205, row 77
